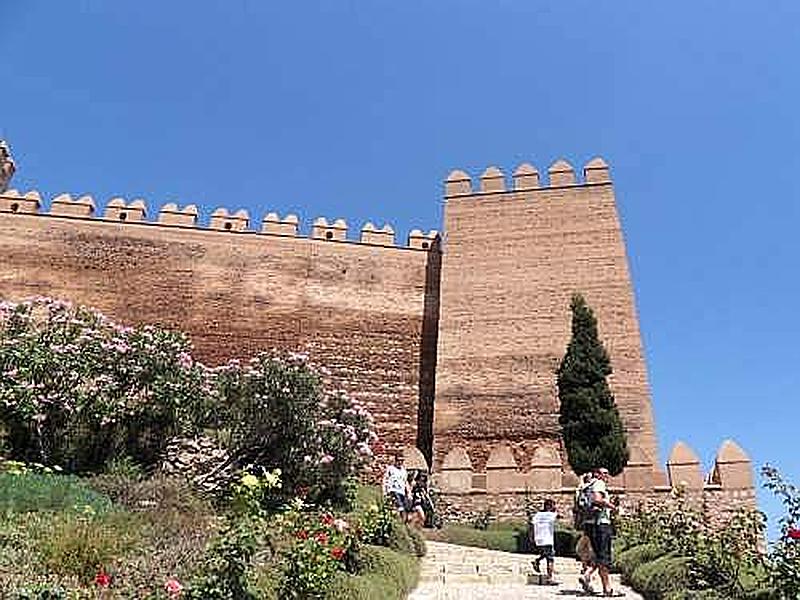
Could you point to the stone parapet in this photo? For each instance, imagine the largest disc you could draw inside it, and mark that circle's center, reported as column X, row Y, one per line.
column 222, row 219
column 506, row 488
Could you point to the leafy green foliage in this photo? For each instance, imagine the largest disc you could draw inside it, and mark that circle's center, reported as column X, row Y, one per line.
column 662, row 575
column 784, row 558
column 275, row 415
column 724, row 559
column 224, row 570
column 591, row 427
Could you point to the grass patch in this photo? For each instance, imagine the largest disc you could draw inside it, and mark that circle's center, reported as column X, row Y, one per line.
column 35, row 492
column 385, row 575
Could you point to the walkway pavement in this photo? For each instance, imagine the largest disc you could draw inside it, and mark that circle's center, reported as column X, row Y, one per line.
column 451, row 572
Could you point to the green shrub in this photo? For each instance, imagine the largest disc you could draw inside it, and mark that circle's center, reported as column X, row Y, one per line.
column 657, row 578
column 224, row 572
column 631, row 559
column 566, row 539
column 494, row 538
column 31, row 492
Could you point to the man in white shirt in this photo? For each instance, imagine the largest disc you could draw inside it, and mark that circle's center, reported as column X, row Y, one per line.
column 395, row 485
column 544, row 526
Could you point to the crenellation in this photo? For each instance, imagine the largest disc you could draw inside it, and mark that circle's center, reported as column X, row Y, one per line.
column 337, row 231
column 683, row 468
column 64, row 206
column 596, row 171
column 423, row 241
column 493, row 180
column 14, row 202
column 119, row 210
column 171, row 215
column 222, row 220
column 526, row 177
column 458, row 183
column 561, row 173
column 379, row 237
column 274, row 225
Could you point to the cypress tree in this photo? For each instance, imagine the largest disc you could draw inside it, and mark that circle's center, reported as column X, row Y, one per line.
column 590, row 424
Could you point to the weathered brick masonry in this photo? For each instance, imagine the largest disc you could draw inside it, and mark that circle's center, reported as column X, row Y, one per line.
column 478, row 319
column 358, row 309
column 512, row 260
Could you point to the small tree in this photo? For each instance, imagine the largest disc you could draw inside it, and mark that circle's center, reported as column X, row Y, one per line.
column 591, row 427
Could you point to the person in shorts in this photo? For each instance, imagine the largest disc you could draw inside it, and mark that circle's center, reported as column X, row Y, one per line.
column 543, row 524
column 395, row 486
column 602, row 533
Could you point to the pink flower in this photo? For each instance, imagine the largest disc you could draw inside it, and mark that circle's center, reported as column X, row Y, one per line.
column 326, row 459
column 173, row 588
column 340, row 525
column 322, row 538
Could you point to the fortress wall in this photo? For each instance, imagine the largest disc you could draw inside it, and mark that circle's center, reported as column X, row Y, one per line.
column 512, row 258
column 358, row 309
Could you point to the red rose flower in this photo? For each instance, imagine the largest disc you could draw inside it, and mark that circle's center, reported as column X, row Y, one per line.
column 794, row 533
column 322, row 538
column 337, row 552
column 302, row 534
column 327, row 519
column 102, row 579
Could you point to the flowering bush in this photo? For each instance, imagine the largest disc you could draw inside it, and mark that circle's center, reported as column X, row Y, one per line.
column 784, row 557
column 77, row 389
column 722, row 559
column 323, row 545
column 275, row 415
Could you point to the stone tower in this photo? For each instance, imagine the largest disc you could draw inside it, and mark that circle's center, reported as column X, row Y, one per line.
column 512, row 258
column 7, row 166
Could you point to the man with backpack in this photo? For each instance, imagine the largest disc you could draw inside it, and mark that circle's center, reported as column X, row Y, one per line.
column 584, row 520
column 602, row 532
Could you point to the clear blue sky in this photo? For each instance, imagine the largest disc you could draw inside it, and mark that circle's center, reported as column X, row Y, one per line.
column 359, row 109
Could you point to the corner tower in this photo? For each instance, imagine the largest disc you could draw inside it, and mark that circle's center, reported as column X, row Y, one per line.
column 512, row 258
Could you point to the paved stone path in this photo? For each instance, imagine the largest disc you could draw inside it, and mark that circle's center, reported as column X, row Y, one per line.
column 451, row 572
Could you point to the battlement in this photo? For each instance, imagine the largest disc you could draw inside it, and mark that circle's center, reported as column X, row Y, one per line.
column 544, row 472
column 526, row 178
column 119, row 210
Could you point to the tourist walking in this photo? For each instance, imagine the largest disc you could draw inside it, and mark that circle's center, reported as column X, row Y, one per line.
column 395, row 486
column 602, row 532
column 419, row 491
column 584, row 515
column 543, row 524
